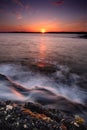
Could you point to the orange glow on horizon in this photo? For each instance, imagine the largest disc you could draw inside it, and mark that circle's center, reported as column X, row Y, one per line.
column 43, row 30
column 45, row 27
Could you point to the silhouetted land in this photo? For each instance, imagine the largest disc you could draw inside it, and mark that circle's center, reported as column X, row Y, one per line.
column 79, row 34
column 48, row 32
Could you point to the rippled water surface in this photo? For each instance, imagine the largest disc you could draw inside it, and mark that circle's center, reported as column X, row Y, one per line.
column 44, row 68
column 63, row 49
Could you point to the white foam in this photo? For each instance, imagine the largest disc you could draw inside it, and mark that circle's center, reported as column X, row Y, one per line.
column 62, row 82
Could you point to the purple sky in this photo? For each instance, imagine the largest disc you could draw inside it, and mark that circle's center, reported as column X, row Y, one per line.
column 51, row 15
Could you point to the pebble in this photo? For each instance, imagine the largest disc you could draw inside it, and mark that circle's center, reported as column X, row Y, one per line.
column 25, row 126
column 13, row 118
column 9, row 107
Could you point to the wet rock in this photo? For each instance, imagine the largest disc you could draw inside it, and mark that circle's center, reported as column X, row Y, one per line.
column 29, row 116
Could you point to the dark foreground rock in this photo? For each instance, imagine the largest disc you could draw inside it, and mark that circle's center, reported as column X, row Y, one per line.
column 83, row 36
column 29, row 116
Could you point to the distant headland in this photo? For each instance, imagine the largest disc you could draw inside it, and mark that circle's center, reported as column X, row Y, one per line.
column 79, row 34
column 45, row 32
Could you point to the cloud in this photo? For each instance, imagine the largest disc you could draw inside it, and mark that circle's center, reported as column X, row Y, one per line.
column 18, row 2
column 1, row 10
column 58, row 2
column 23, row 6
column 27, row 7
column 17, row 15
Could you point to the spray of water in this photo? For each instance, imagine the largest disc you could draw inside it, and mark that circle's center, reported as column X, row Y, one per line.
column 61, row 82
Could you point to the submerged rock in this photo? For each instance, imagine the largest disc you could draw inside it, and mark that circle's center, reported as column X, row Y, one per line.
column 43, row 67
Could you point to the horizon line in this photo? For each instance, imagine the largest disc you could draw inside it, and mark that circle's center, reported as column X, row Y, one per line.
column 40, row 32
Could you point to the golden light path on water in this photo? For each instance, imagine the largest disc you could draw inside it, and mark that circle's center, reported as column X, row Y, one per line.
column 42, row 52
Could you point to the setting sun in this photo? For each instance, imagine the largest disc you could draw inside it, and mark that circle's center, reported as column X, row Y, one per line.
column 43, row 30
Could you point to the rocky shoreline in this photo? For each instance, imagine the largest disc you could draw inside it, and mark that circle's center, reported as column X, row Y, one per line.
column 30, row 116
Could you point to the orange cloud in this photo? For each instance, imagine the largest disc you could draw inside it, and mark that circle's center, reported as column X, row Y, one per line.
column 58, row 2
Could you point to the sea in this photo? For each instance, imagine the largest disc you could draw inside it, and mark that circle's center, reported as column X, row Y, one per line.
column 48, row 65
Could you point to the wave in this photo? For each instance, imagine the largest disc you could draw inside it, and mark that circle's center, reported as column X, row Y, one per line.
column 57, row 89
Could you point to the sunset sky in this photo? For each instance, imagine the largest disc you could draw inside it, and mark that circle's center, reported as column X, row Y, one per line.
column 35, row 15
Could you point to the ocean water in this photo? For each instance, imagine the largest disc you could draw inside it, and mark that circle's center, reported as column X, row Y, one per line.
column 45, row 66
